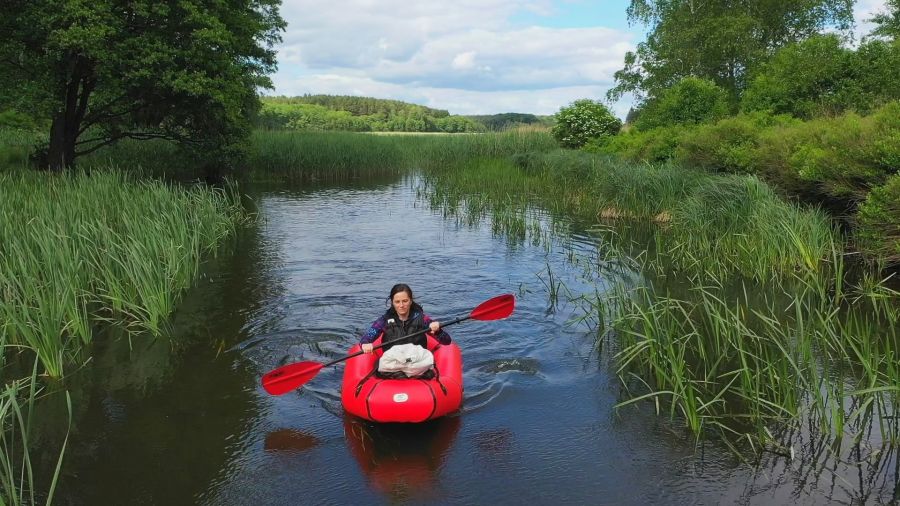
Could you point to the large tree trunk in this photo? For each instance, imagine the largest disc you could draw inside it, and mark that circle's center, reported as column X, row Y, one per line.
column 66, row 126
column 63, row 134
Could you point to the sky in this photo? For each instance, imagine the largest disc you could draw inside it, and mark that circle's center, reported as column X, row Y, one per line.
column 464, row 56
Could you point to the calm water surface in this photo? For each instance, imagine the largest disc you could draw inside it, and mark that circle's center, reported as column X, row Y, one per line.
column 183, row 420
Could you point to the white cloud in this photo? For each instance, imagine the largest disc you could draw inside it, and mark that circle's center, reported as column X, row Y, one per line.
column 466, row 56
column 457, row 101
column 864, row 10
column 464, row 61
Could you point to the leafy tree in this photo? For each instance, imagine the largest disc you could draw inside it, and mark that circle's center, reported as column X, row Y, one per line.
column 582, row 121
column 105, row 70
column 888, row 22
column 719, row 40
column 819, row 76
column 691, row 101
column 799, row 79
column 458, row 124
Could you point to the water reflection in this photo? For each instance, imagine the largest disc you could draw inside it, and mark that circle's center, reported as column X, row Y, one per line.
column 289, row 441
column 401, row 461
column 155, row 419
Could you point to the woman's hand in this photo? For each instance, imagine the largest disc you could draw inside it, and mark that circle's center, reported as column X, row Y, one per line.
column 434, row 326
column 367, row 347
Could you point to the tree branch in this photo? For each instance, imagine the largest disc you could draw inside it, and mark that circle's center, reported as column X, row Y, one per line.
column 102, row 141
column 98, row 113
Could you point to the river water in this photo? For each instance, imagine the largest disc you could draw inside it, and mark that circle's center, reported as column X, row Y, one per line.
column 183, row 419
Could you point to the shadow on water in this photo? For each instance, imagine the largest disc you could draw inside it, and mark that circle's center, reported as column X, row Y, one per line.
column 289, row 441
column 401, row 461
column 155, row 419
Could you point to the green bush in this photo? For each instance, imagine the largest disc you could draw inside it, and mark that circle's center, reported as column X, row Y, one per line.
column 799, row 79
column 731, row 145
column 656, row 145
column 16, row 146
column 17, row 121
column 819, row 77
column 583, row 120
column 691, row 101
column 848, row 155
column 878, row 231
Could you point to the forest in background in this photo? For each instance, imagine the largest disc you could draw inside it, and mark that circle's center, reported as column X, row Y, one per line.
column 367, row 114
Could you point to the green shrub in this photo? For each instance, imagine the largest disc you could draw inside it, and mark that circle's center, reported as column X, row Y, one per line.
column 731, row 145
column 848, row 155
column 583, row 120
column 691, row 101
column 800, row 79
column 16, row 120
column 656, row 145
column 16, row 145
column 878, row 232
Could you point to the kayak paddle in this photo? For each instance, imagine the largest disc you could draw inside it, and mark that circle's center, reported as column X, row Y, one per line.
column 293, row 376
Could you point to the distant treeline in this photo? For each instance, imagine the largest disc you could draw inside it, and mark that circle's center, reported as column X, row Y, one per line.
column 360, row 106
column 509, row 120
column 358, row 114
column 366, row 114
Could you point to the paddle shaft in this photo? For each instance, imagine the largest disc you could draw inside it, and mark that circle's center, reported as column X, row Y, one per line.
column 289, row 377
column 392, row 341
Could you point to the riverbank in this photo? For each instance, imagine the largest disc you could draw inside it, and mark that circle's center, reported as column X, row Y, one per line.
column 748, row 319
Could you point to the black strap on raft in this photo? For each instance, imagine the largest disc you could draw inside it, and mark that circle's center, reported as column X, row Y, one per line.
column 437, row 377
column 365, row 378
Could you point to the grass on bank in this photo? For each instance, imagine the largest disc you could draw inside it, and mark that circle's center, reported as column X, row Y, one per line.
column 336, row 156
column 18, row 483
column 709, row 223
column 719, row 361
column 76, row 249
column 795, row 339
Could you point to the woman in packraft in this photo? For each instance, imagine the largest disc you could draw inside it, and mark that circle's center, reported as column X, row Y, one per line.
column 404, row 317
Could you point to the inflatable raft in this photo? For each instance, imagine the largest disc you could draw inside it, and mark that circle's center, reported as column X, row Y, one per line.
column 367, row 396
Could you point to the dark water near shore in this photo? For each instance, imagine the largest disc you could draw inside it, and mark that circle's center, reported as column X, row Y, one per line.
column 183, row 420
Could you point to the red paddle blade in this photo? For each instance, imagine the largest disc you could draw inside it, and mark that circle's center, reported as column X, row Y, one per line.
column 290, row 377
column 497, row 308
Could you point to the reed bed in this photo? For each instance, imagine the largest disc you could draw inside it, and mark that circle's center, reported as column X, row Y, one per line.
column 157, row 158
column 340, row 156
column 324, row 156
column 76, row 249
column 748, row 321
column 18, row 482
column 718, row 359
column 721, row 224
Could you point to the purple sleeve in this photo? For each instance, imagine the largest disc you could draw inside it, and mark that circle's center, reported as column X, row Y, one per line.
column 374, row 331
column 442, row 336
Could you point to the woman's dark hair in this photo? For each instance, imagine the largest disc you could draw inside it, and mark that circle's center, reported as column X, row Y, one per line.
column 402, row 287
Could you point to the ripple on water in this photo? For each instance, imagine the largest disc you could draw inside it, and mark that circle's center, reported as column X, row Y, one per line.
column 527, row 366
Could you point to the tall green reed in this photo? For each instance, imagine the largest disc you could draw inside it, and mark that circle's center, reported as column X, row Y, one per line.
column 77, row 248
column 751, row 323
column 338, row 156
column 18, row 482
column 721, row 224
